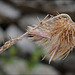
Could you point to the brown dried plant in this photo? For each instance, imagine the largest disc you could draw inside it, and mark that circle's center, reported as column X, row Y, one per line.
column 56, row 35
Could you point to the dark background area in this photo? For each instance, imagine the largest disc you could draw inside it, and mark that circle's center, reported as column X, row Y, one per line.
column 25, row 57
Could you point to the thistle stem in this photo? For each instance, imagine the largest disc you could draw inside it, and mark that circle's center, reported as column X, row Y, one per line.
column 13, row 41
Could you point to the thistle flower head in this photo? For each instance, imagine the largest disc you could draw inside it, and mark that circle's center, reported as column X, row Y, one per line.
column 56, row 35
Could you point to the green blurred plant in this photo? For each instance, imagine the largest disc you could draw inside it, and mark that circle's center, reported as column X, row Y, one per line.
column 34, row 58
column 12, row 51
column 6, row 57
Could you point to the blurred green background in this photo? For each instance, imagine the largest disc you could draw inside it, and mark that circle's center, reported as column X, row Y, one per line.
column 26, row 57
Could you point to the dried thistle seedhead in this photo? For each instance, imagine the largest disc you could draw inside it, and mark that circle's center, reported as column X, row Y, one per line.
column 55, row 34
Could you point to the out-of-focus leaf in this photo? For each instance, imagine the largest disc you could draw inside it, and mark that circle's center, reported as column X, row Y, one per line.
column 34, row 58
column 12, row 51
